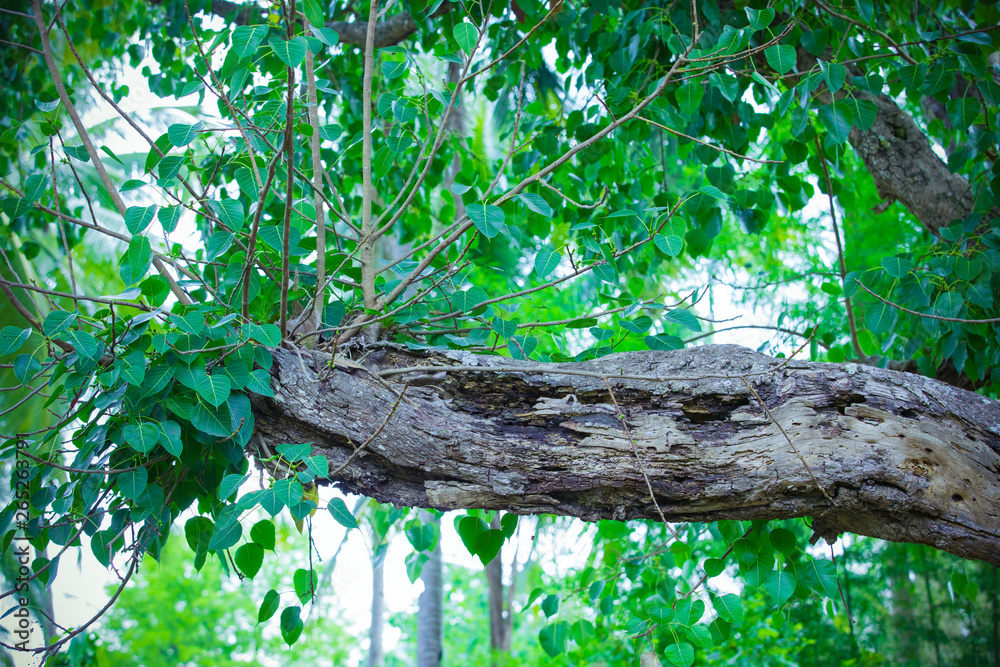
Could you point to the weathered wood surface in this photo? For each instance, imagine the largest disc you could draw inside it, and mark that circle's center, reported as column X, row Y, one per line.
column 876, row 452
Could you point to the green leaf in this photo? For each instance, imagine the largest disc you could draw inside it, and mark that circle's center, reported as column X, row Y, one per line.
column 670, row 245
column 170, row 437
column 137, row 218
column 230, row 483
column 326, row 35
column 689, row 97
column 291, row 624
column 226, row 534
column 837, row 119
column 488, row 545
column 759, row 18
column 729, row 607
column 714, row 566
column 685, row 318
column 249, row 558
column 78, row 152
column 469, row 529
column 639, row 325
column 866, row 10
column 393, row 70
column 880, row 317
column 546, row 262
column 168, row 168
column 15, row 207
column 864, row 113
column 780, row 585
column 550, row 605
column 259, row 382
column 305, row 582
column 136, row 260
column 782, row 540
column 55, row 323
column 246, row 39
column 212, row 421
column 680, row 654
column 712, row 192
column 466, row 36
column 289, row 491
column 263, row 533
column 663, row 342
column 267, row 334
column 293, row 452
column 168, row 217
column 132, row 483
column 313, row 10
column 230, row 213
column 398, row 144
column 12, row 339
column 338, row 510
column 34, row 186
column 504, row 328
column 834, row 74
column 897, row 267
column 553, row 638
column 963, row 112
column 488, row 219
column 269, row 606
column 781, row 57
column 291, row 52
column 133, row 367
column 536, row 204
column 181, row 134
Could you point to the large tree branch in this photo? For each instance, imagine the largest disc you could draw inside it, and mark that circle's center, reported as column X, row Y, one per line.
column 903, row 457
column 905, row 167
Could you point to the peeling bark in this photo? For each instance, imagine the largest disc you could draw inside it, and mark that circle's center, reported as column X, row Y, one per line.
column 902, row 457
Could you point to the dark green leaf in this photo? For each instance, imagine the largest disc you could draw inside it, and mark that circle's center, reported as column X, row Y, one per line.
column 781, row 57
column 291, row 52
column 269, row 606
column 338, row 510
column 249, row 558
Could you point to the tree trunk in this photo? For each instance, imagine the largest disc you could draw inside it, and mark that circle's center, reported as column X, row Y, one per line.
column 430, row 622
column 861, row 449
column 499, row 640
column 376, row 655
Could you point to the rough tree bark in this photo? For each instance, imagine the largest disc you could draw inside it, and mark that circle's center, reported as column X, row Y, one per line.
column 860, row 449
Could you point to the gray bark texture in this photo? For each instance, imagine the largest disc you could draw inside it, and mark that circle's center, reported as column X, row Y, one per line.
column 861, row 449
column 905, row 167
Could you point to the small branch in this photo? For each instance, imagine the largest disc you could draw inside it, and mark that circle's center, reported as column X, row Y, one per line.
column 720, row 149
column 286, row 229
column 840, row 252
column 928, row 316
column 366, row 250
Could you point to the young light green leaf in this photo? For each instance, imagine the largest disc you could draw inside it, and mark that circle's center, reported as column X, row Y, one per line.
column 712, row 191
column 546, row 262
column 246, row 39
column 729, row 608
column 680, row 654
column 670, row 244
column 393, row 70
column 466, row 35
